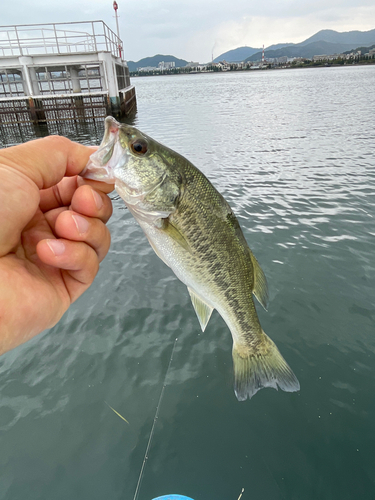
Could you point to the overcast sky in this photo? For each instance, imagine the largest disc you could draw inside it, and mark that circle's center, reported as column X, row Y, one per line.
column 194, row 29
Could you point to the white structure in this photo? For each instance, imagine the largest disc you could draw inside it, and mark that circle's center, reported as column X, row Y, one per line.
column 166, row 65
column 147, row 69
column 53, row 61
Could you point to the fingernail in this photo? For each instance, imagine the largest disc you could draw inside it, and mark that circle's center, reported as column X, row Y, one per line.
column 81, row 223
column 98, row 199
column 57, row 246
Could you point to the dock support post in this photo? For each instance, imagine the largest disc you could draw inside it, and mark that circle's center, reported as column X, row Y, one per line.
column 29, row 75
column 76, row 85
column 75, row 80
column 30, row 83
column 34, row 81
column 32, row 111
column 113, row 91
column 36, row 111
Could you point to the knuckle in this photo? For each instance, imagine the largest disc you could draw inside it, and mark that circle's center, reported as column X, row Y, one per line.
column 56, row 141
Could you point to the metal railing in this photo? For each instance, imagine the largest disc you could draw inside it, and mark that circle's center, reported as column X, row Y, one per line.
column 58, row 38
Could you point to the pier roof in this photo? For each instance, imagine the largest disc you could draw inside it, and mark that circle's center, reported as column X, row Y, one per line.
column 59, row 38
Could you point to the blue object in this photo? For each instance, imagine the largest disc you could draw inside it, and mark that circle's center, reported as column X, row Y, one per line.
column 173, row 497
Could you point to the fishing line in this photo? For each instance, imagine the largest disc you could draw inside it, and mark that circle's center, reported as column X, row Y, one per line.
column 153, row 427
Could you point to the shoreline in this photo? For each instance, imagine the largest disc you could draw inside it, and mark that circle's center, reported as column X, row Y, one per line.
column 300, row 66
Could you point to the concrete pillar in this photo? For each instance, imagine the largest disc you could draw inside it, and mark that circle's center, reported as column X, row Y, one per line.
column 110, row 73
column 75, row 80
column 29, row 75
column 34, row 81
column 76, row 85
column 27, row 85
column 31, row 86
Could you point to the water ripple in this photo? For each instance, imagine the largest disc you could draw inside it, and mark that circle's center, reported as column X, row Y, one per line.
column 293, row 153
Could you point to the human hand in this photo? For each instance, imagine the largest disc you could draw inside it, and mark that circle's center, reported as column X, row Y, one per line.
column 52, row 234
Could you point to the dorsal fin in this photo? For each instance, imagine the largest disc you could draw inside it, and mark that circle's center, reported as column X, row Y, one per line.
column 202, row 309
column 260, row 289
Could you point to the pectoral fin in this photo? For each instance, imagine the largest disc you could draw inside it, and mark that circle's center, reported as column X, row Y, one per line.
column 175, row 234
column 260, row 283
column 202, row 309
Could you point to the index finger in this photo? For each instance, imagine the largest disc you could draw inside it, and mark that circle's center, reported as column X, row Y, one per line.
column 46, row 161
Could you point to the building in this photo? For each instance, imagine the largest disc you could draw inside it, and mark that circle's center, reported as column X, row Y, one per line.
column 166, row 65
column 62, row 71
column 147, row 69
column 192, row 64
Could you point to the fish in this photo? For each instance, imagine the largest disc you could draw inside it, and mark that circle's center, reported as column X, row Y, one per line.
column 193, row 230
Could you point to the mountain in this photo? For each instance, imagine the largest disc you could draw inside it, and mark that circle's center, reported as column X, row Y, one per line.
column 354, row 38
column 308, row 51
column 236, row 55
column 363, row 50
column 154, row 61
column 324, row 42
column 279, row 46
column 245, row 53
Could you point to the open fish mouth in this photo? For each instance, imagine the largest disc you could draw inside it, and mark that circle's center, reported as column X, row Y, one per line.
column 101, row 165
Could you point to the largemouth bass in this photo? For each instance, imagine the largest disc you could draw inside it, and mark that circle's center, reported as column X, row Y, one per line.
column 193, row 230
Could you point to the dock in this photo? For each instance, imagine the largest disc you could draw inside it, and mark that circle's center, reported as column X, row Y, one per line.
column 62, row 71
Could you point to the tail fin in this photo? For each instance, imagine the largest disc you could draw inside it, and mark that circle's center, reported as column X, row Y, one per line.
column 267, row 369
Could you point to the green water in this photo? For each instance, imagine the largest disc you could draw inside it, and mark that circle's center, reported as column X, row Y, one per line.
column 293, row 153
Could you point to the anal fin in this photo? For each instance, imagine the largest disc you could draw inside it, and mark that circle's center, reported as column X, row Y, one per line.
column 202, row 309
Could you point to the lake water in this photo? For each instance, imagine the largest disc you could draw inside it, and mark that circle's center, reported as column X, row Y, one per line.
column 293, row 152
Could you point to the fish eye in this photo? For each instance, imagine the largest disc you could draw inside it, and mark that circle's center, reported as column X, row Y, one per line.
column 139, row 146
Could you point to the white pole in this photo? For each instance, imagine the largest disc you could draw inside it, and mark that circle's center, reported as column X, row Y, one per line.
column 115, row 6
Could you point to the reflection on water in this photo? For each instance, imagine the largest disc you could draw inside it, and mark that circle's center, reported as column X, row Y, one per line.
column 293, row 153
column 88, row 132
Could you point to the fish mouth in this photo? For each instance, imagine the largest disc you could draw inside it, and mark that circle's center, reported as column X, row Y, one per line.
column 98, row 173
column 101, row 164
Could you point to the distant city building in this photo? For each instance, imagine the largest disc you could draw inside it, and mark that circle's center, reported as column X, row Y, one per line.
column 223, row 65
column 166, row 65
column 147, row 68
column 323, row 57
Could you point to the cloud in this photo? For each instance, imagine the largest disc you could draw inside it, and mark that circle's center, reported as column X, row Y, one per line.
column 190, row 29
column 254, row 31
